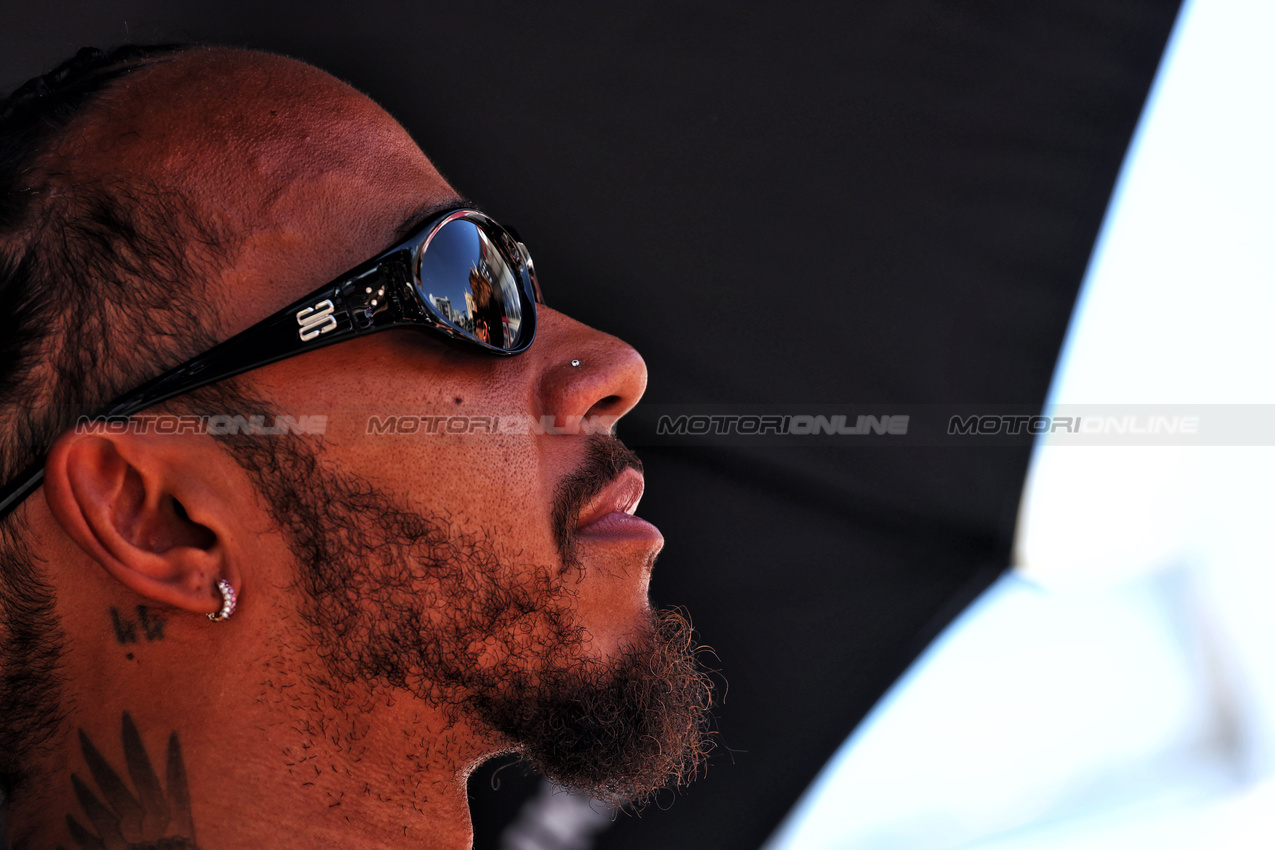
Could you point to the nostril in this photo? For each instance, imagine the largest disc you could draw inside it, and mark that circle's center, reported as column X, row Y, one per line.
column 604, row 405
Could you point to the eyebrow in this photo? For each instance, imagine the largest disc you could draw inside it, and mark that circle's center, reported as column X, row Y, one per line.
column 423, row 212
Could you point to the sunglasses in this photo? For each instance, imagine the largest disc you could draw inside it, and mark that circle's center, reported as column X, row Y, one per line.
column 460, row 275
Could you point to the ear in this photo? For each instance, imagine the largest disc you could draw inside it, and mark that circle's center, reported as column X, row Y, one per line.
column 139, row 507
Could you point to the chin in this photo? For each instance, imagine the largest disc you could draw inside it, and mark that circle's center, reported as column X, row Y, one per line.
column 618, row 726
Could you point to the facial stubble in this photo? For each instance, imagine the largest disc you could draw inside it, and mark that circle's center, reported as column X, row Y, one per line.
column 399, row 600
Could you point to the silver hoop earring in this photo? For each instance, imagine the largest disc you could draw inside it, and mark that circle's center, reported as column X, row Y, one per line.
column 229, row 599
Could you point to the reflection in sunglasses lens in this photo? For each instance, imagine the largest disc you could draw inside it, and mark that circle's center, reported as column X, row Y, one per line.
column 465, row 275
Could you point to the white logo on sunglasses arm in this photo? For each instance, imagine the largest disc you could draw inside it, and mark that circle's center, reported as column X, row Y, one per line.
column 316, row 320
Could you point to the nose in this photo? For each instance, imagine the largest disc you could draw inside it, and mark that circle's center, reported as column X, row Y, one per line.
column 584, row 374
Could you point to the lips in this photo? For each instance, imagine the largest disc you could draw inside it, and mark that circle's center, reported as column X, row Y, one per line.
column 610, row 513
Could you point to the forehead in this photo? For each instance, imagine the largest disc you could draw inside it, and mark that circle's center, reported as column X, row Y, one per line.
column 307, row 175
column 230, row 114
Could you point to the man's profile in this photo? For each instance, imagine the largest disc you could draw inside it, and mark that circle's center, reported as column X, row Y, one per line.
column 234, row 613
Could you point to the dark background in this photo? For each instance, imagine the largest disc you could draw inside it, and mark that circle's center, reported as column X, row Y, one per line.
column 864, row 206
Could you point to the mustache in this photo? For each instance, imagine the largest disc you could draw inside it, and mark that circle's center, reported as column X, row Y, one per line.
column 605, row 458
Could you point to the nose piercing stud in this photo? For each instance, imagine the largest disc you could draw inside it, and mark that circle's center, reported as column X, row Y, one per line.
column 575, row 363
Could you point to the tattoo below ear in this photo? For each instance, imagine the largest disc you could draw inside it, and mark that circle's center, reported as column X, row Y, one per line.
column 126, row 627
column 147, row 820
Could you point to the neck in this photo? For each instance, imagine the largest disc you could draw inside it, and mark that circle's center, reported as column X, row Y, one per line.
column 135, row 779
column 163, row 743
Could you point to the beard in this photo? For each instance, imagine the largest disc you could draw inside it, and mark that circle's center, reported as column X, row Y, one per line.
column 410, row 602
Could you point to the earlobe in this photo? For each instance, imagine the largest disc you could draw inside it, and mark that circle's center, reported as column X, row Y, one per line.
column 114, row 496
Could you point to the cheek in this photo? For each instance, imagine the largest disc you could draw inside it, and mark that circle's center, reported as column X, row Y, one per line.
column 403, row 429
column 480, row 482
column 490, row 482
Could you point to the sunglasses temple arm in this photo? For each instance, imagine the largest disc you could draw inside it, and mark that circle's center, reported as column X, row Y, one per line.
column 376, row 296
column 22, row 486
column 337, row 312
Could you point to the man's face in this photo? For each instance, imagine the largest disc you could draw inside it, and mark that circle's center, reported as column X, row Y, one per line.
column 408, row 599
column 499, row 576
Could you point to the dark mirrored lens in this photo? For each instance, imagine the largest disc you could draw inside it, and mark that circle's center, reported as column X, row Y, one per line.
column 464, row 273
